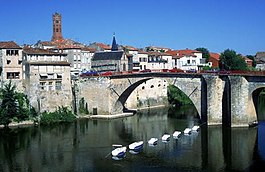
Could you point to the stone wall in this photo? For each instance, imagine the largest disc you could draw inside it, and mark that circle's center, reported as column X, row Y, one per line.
column 151, row 93
column 215, row 91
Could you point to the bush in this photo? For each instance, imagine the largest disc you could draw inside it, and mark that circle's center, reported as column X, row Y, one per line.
column 63, row 114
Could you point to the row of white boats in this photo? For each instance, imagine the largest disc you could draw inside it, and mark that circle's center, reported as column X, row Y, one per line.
column 136, row 147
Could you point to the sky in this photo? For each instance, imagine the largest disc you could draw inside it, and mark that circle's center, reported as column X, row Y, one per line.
column 177, row 24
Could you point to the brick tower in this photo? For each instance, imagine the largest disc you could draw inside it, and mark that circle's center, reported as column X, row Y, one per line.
column 57, row 28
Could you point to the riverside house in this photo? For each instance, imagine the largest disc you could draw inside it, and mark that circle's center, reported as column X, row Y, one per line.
column 11, row 63
column 46, row 76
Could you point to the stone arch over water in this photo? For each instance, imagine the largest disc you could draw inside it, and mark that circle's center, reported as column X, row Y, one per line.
column 255, row 97
column 191, row 87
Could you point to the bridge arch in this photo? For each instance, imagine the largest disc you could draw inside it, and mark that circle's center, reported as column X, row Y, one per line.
column 255, row 97
column 119, row 105
column 190, row 87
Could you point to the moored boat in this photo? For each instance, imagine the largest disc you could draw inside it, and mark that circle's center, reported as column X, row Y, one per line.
column 136, row 145
column 119, row 152
column 152, row 141
column 195, row 128
column 176, row 134
column 187, row 131
column 165, row 137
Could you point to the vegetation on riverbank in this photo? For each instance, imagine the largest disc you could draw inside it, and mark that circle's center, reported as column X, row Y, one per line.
column 15, row 106
column 176, row 97
column 62, row 114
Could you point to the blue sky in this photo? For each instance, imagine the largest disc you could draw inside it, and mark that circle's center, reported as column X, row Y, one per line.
column 177, row 24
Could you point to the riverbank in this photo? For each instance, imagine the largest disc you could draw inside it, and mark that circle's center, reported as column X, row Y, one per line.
column 19, row 124
column 122, row 115
column 109, row 116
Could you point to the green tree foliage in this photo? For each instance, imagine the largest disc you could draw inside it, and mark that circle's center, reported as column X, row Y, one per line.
column 230, row 60
column 9, row 108
column 177, row 97
column 14, row 106
column 205, row 53
column 62, row 114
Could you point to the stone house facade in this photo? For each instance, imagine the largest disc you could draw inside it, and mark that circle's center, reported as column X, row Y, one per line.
column 46, row 77
column 11, row 63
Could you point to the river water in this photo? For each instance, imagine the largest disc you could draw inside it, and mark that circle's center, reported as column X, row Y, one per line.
column 86, row 145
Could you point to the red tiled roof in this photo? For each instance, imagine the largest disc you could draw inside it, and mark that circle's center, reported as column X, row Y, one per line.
column 29, row 50
column 131, row 48
column 142, row 52
column 246, row 59
column 186, row 52
column 106, row 47
column 9, row 44
column 48, row 43
column 90, row 49
column 158, row 53
column 215, row 56
column 65, row 63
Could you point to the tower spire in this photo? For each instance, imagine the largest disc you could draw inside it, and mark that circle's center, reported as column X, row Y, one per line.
column 114, row 46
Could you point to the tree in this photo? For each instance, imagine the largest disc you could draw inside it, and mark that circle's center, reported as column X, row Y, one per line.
column 15, row 106
column 205, row 53
column 230, row 60
column 9, row 107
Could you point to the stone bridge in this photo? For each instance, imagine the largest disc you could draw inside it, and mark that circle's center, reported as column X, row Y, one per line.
column 219, row 99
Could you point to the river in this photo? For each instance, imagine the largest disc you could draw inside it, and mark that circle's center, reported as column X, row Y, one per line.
column 85, row 145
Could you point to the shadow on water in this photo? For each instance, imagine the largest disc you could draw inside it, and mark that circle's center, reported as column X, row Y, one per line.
column 85, row 145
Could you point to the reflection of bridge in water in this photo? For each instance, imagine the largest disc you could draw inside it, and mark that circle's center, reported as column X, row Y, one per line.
column 219, row 99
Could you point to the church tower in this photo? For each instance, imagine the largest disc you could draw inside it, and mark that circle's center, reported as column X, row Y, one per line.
column 57, row 27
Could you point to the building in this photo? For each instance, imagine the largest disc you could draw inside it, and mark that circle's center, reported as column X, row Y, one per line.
column 11, row 63
column 143, row 60
column 158, row 61
column 214, row 59
column 260, row 59
column 47, row 79
column 132, row 52
column 248, row 61
column 157, row 49
column 100, row 47
column 114, row 60
column 188, row 60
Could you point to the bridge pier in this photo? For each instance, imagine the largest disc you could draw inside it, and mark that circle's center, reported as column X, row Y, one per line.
column 242, row 107
column 215, row 89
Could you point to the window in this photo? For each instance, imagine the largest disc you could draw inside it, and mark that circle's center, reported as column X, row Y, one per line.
column 50, row 86
column 11, row 52
column 12, row 75
column 42, row 85
column 58, row 85
column 59, row 76
column 19, row 62
column 8, row 61
column 43, row 76
column 50, row 76
column 188, row 61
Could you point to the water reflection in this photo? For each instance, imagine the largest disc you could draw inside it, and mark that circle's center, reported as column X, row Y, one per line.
column 87, row 144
